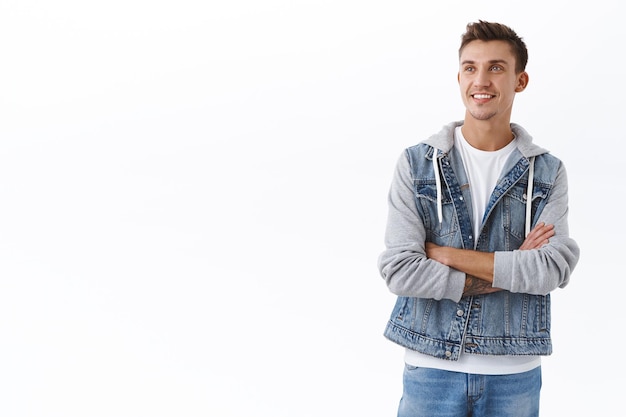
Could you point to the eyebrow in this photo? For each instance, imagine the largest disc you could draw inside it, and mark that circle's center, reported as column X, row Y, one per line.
column 492, row 61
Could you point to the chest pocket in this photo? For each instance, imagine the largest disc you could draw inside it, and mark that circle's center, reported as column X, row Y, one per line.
column 513, row 215
column 426, row 202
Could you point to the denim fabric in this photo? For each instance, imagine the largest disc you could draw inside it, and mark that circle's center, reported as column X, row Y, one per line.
column 438, row 393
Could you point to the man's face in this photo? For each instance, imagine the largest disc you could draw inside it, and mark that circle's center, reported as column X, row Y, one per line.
column 488, row 81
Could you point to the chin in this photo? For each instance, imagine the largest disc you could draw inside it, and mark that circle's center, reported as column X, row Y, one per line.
column 482, row 116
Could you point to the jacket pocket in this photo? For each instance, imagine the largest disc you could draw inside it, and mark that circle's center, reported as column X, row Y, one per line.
column 426, row 201
column 514, row 205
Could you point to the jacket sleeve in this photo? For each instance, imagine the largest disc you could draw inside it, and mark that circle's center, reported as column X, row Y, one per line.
column 540, row 271
column 403, row 264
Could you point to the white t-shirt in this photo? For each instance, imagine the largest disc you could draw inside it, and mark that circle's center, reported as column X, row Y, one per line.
column 483, row 169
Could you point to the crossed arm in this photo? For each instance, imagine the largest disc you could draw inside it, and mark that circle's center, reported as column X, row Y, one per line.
column 478, row 266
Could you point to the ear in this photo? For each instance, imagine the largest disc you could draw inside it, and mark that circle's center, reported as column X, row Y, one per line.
column 522, row 82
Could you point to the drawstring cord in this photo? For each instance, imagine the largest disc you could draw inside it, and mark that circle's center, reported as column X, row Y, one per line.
column 529, row 194
column 438, row 184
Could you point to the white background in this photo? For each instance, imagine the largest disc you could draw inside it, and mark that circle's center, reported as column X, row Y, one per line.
column 193, row 198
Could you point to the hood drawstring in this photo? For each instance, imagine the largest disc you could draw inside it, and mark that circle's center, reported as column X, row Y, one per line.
column 529, row 194
column 438, row 184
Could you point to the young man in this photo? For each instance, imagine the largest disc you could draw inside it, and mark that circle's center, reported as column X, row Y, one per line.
column 477, row 238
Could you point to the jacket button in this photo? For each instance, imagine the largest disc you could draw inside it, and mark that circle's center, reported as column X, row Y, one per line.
column 459, row 313
column 448, row 353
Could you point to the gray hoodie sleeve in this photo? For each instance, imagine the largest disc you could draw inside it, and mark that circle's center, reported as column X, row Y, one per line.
column 539, row 271
column 403, row 264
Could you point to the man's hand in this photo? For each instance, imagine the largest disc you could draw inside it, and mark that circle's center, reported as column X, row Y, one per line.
column 538, row 237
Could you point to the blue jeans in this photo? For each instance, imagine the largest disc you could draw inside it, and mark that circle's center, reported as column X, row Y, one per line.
column 437, row 393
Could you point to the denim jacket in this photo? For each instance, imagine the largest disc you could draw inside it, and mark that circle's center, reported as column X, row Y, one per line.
column 430, row 314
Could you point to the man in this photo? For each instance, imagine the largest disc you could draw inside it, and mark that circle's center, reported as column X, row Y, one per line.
column 477, row 238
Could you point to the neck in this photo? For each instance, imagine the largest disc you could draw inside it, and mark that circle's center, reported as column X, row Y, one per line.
column 487, row 136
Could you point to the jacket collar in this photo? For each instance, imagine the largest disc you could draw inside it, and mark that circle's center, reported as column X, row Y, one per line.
column 444, row 139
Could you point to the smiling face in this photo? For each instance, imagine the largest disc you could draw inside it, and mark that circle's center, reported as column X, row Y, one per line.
column 488, row 81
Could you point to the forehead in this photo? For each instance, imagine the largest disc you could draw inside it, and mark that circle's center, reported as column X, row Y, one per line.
column 487, row 51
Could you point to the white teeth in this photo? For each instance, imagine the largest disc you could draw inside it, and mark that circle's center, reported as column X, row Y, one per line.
column 481, row 96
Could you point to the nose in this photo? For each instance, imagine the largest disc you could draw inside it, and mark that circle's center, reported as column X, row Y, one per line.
column 482, row 78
